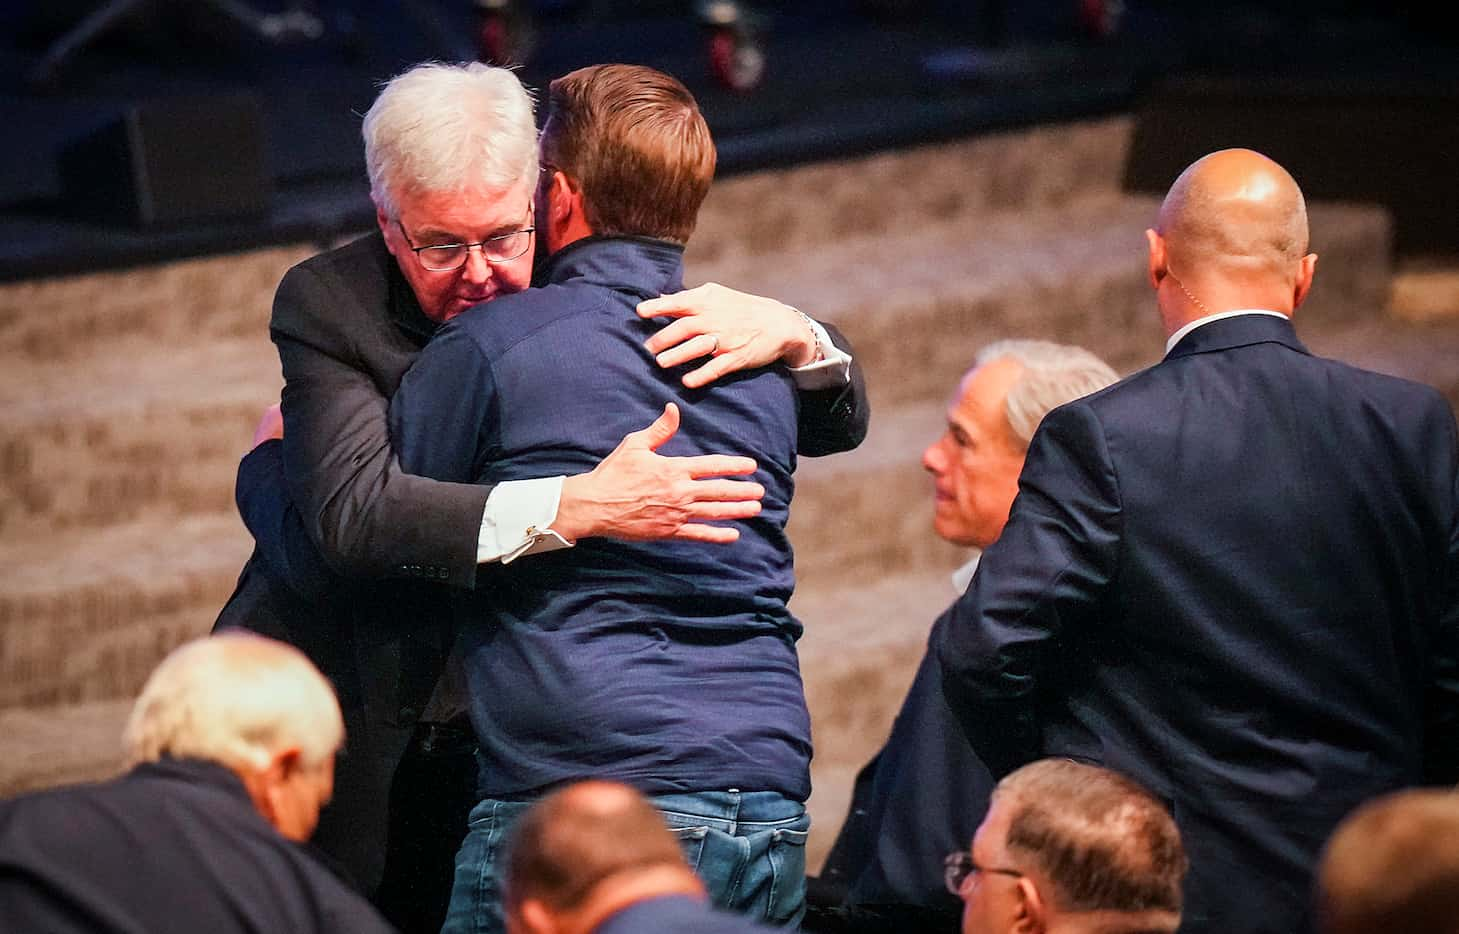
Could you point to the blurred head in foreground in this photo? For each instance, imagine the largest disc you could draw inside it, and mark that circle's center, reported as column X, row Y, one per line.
column 1069, row 848
column 587, row 852
column 258, row 707
column 1393, row 865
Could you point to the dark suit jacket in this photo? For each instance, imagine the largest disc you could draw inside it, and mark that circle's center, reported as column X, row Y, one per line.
column 172, row 846
column 920, row 798
column 1233, row 577
column 347, row 327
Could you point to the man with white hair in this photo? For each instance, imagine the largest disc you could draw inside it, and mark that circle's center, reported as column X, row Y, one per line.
column 453, row 163
column 232, row 745
column 926, row 790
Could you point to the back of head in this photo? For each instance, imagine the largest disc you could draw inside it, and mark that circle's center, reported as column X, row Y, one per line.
column 1393, row 865
column 1103, row 842
column 1234, row 211
column 576, row 838
column 235, row 699
column 1052, row 375
column 635, row 142
column 449, row 128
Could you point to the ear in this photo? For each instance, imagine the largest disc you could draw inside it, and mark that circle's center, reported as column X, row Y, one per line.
column 1158, row 262
column 1306, row 269
column 283, row 766
column 286, row 763
column 564, row 199
column 1033, row 915
column 532, row 917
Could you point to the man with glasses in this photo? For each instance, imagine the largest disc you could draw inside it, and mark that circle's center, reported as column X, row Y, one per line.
column 352, row 550
column 1068, row 848
column 663, row 665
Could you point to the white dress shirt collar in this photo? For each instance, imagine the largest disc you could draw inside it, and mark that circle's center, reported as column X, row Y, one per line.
column 1192, row 325
column 962, row 578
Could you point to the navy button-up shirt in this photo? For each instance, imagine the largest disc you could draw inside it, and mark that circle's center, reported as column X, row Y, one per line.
column 667, row 665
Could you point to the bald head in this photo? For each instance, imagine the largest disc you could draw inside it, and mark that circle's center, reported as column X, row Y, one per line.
column 1233, row 233
column 576, row 838
column 1393, row 865
column 1235, row 207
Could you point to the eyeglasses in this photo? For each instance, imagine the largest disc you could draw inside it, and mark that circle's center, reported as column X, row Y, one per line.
column 502, row 248
column 958, row 867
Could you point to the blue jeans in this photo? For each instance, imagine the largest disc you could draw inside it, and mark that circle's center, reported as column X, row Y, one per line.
column 747, row 847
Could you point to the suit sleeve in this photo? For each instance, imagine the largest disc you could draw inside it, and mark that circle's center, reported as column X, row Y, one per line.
column 284, row 547
column 1045, row 575
column 442, row 417
column 369, row 518
column 1441, row 727
column 834, row 420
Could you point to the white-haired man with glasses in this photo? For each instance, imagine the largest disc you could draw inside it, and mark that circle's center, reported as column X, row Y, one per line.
column 1068, row 848
column 352, row 552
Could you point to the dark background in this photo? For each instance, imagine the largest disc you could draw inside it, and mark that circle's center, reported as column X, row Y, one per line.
column 1363, row 97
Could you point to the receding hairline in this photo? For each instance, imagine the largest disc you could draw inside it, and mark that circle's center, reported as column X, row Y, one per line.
column 1069, row 811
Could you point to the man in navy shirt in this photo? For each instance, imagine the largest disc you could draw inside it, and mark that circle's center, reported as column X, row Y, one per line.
column 666, row 666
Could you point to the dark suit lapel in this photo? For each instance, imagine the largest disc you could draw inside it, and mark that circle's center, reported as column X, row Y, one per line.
column 1238, row 331
column 404, row 309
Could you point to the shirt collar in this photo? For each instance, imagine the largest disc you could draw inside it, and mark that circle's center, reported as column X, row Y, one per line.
column 639, row 266
column 962, row 578
column 1200, row 322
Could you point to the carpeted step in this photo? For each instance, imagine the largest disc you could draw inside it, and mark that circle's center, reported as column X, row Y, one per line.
column 868, row 513
column 139, row 430
column 85, row 615
column 185, row 304
column 61, row 744
column 804, row 207
column 918, row 301
column 860, row 649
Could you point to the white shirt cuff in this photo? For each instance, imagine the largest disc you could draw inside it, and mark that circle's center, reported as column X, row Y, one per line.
column 831, row 371
column 516, row 519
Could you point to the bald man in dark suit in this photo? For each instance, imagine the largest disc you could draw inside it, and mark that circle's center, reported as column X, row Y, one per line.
column 1231, row 576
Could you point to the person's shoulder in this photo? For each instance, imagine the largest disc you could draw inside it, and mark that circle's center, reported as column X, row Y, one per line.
column 324, row 287
column 365, row 256
column 1350, row 375
column 678, row 914
column 510, row 320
